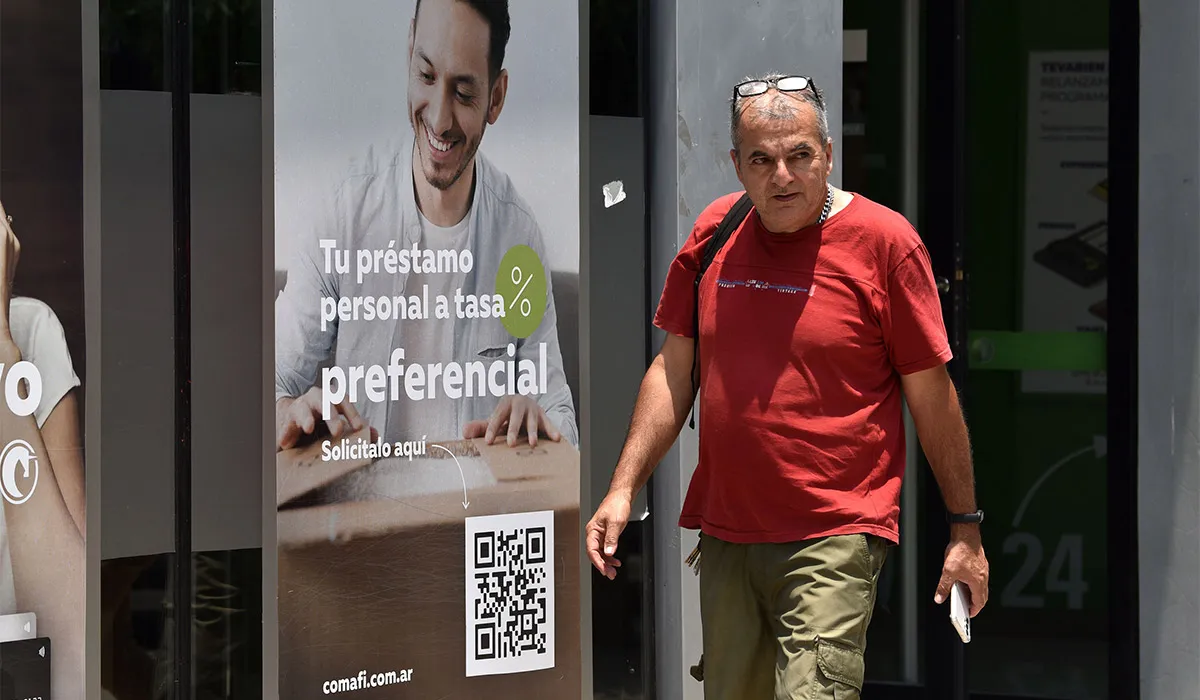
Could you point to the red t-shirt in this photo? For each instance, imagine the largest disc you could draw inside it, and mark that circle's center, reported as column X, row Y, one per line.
column 803, row 338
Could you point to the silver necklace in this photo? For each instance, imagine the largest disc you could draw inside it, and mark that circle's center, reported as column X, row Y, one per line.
column 828, row 205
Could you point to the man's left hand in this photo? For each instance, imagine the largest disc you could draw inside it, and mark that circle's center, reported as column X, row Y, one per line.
column 965, row 562
column 514, row 415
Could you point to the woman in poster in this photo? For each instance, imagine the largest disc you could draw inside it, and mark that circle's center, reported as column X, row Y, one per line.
column 42, row 553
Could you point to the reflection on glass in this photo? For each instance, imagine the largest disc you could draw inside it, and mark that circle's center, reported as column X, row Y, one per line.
column 618, row 622
column 226, row 46
column 136, row 630
column 227, row 625
column 133, row 45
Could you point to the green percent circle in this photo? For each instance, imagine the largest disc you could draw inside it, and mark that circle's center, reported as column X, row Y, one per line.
column 521, row 282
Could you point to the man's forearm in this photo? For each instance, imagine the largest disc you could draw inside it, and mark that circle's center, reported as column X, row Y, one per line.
column 947, row 445
column 949, row 453
column 662, row 406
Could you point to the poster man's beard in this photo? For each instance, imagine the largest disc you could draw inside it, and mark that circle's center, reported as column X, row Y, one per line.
column 442, row 181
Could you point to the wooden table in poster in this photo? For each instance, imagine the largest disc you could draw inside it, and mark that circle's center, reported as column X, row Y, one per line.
column 379, row 585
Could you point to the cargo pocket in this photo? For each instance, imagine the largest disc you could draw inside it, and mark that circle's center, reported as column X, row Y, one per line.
column 875, row 550
column 840, row 671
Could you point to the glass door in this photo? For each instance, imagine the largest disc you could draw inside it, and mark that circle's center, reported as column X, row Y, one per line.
column 1004, row 130
column 1019, row 196
column 1036, row 231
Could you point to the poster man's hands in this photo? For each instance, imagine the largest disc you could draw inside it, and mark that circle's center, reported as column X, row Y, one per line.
column 297, row 417
column 513, row 416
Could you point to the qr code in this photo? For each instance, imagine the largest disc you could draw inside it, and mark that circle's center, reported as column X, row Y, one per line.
column 510, row 593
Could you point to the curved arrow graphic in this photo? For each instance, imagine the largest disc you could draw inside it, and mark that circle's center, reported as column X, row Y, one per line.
column 465, row 502
column 17, row 455
column 1097, row 448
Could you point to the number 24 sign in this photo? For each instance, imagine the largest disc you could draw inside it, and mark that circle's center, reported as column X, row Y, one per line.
column 1064, row 573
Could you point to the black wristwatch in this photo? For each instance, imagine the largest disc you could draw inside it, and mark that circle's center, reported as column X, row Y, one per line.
column 961, row 518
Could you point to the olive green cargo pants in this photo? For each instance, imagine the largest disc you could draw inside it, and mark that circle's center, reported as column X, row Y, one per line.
column 787, row 621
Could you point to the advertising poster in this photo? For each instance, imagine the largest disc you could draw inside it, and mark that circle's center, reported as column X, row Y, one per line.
column 42, row 355
column 427, row 446
column 1066, row 206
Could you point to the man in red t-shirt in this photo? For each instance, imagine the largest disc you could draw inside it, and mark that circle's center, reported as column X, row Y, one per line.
column 817, row 319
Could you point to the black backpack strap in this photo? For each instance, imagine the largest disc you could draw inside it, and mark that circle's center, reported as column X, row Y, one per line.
column 733, row 218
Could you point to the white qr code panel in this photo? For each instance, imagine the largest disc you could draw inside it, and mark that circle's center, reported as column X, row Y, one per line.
column 510, row 593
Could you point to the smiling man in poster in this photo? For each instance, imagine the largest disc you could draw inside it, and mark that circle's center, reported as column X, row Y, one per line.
column 371, row 290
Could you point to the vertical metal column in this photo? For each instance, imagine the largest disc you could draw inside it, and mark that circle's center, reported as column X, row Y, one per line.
column 910, row 188
column 1125, row 147
column 181, row 190
column 944, row 218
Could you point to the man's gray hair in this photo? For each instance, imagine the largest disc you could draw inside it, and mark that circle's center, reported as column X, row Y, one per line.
column 778, row 106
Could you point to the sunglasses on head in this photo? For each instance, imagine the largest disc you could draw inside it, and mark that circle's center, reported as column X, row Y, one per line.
column 787, row 83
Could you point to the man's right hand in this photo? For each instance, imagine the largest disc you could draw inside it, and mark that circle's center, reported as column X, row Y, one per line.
column 604, row 530
column 297, row 417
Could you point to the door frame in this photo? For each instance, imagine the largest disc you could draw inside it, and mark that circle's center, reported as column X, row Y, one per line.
column 1124, row 24
column 942, row 221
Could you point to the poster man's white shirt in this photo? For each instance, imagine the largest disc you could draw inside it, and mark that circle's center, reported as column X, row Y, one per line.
column 372, row 209
column 425, row 341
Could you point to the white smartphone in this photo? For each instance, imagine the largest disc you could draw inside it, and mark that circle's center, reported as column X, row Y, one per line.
column 960, row 610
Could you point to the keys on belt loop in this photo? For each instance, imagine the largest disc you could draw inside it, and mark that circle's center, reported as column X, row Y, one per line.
column 693, row 559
